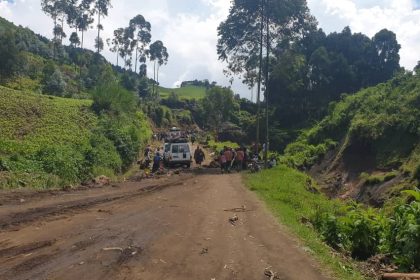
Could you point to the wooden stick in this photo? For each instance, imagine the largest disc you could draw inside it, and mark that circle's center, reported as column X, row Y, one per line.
column 399, row 276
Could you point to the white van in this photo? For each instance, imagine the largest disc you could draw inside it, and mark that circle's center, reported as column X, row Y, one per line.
column 178, row 154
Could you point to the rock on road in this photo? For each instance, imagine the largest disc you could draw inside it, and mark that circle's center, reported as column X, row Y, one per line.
column 172, row 228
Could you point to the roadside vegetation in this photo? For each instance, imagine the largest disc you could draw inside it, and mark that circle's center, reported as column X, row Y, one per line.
column 383, row 123
column 385, row 119
column 288, row 194
column 349, row 228
column 48, row 142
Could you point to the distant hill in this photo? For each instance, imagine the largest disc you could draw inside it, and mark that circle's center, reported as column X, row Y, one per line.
column 187, row 92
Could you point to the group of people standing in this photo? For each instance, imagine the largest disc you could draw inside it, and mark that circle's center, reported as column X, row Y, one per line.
column 233, row 159
column 240, row 159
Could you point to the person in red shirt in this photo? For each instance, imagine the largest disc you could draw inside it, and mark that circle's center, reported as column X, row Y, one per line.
column 229, row 158
column 239, row 160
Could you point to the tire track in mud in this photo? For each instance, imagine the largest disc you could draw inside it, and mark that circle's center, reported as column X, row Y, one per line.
column 13, row 221
column 29, row 258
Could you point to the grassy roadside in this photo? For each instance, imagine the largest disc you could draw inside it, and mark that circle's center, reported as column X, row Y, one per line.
column 283, row 190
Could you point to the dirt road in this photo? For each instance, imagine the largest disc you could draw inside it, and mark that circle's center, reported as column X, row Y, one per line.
column 173, row 228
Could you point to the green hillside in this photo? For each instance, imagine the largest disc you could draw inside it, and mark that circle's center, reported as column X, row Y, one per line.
column 29, row 121
column 188, row 92
column 49, row 141
column 369, row 145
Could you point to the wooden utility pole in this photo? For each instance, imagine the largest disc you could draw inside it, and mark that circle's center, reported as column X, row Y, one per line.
column 260, row 74
column 267, row 76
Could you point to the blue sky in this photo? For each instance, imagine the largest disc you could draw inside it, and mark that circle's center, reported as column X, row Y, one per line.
column 189, row 28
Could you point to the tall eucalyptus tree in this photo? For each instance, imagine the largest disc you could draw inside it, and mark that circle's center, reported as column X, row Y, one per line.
column 101, row 8
column 117, row 42
column 141, row 37
column 159, row 55
column 250, row 28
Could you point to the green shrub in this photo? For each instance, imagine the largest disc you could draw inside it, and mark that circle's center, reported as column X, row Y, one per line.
column 112, row 99
column 54, row 83
column 65, row 162
column 329, row 227
column 301, row 154
column 364, row 230
column 357, row 230
column 405, row 236
column 103, row 155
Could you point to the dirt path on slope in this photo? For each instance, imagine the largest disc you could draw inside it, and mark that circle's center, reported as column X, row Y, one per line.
column 173, row 228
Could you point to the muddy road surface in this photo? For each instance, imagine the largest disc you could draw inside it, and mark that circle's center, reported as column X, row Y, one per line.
column 200, row 225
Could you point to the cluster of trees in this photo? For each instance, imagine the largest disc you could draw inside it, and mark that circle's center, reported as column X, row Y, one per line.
column 277, row 46
column 204, row 83
column 319, row 69
column 224, row 113
column 8, row 55
column 78, row 14
column 44, row 63
column 133, row 44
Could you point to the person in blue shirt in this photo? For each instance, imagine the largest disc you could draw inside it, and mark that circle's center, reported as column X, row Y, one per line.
column 156, row 162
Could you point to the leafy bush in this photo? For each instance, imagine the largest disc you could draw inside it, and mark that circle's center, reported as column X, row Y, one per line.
column 302, row 155
column 352, row 228
column 103, row 155
column 365, row 232
column 405, row 234
column 112, row 99
column 53, row 81
column 63, row 161
column 329, row 227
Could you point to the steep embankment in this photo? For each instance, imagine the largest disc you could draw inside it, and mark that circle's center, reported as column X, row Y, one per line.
column 368, row 148
column 48, row 141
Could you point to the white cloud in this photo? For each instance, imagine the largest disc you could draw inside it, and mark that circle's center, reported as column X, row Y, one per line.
column 5, row 9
